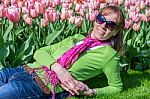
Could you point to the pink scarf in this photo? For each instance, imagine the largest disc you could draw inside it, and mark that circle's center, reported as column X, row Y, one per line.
column 70, row 56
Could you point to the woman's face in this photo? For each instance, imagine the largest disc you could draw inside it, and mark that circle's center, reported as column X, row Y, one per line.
column 102, row 29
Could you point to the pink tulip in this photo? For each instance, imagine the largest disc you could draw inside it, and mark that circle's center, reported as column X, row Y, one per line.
column 137, row 18
column 70, row 12
column 132, row 8
column 147, row 12
column 70, row 5
column 128, row 23
column 13, row 14
column 64, row 14
column 33, row 13
column 137, row 9
column 55, row 16
column 147, row 3
column 132, row 2
column 42, row 8
column 137, row 3
column 43, row 23
column 77, row 7
column 120, row 2
column 66, row 1
column 96, row 5
column 27, row 19
column 127, row 3
column 13, row 2
column 102, row 5
column 48, row 3
column 81, row 12
column 25, row 10
column 48, row 16
column 65, row 5
column 6, row 2
column 142, row 5
column 1, row 11
column 20, row 4
column 136, row 26
column 37, row 7
column 78, row 21
column 144, row 18
column 90, row 16
column 57, row 2
column 71, row 19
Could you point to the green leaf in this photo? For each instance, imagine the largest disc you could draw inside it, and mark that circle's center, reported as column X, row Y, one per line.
column 24, row 52
column 1, row 40
column 9, row 29
column 19, row 30
column 51, row 37
column 3, row 53
column 84, row 27
column 144, row 53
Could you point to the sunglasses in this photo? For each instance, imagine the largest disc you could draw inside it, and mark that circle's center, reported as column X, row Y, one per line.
column 110, row 25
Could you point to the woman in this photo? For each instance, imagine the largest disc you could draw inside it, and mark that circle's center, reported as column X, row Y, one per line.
column 71, row 62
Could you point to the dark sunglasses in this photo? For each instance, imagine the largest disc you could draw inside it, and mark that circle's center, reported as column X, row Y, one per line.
column 100, row 19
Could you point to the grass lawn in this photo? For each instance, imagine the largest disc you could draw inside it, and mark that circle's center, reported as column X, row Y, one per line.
column 136, row 86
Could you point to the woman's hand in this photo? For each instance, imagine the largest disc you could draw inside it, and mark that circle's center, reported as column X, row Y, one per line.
column 66, row 80
column 85, row 90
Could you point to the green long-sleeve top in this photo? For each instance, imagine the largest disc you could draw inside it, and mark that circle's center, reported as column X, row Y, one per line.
column 97, row 60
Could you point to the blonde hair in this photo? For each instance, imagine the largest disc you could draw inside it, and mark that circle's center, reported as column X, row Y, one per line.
column 118, row 38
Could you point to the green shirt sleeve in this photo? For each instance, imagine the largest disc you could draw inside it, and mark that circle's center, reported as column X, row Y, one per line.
column 49, row 54
column 112, row 72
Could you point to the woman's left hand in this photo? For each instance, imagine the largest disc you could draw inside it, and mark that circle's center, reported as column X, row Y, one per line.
column 85, row 90
column 66, row 80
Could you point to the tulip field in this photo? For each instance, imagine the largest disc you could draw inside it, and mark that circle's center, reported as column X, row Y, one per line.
column 27, row 25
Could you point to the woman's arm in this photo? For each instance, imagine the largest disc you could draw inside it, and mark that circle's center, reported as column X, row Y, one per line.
column 93, row 63
column 112, row 72
column 49, row 54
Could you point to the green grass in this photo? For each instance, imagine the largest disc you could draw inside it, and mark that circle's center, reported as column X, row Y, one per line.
column 136, row 86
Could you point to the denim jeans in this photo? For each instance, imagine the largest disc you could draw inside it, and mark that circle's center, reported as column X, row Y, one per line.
column 16, row 83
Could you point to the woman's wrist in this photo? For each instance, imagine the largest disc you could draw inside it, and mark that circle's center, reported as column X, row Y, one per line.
column 94, row 92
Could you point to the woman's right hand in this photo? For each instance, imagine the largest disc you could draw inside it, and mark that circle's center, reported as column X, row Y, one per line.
column 66, row 80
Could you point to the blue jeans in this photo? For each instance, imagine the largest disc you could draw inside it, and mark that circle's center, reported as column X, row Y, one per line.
column 16, row 83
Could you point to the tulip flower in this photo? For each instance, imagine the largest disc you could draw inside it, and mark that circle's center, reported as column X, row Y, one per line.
column 71, row 19
column 48, row 16
column 13, row 14
column 1, row 11
column 25, row 10
column 120, row 2
column 65, row 5
column 27, row 19
column 136, row 26
column 102, row 1
column 64, row 14
column 78, row 21
column 142, row 5
column 33, row 13
column 13, row 2
column 77, row 7
column 43, row 23
column 102, row 5
column 147, row 12
column 128, row 23
column 6, row 2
